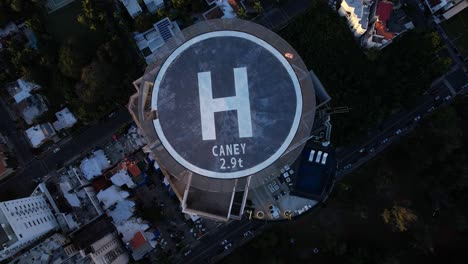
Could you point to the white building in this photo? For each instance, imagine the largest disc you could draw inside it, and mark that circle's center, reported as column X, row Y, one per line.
column 21, row 89
column 154, row 5
column 133, row 7
column 150, row 41
column 39, row 134
column 94, row 165
column 357, row 13
column 65, row 119
column 22, row 222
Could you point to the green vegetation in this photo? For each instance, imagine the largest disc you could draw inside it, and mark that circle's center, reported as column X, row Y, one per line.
column 407, row 206
column 85, row 58
column 374, row 85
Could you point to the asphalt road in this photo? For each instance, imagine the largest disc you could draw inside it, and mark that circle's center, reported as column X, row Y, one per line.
column 22, row 183
column 367, row 148
column 210, row 250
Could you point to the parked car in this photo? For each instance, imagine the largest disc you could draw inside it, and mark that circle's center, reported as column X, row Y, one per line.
column 56, row 150
column 448, row 97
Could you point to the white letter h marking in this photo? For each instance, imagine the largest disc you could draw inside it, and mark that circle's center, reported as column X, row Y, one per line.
column 239, row 102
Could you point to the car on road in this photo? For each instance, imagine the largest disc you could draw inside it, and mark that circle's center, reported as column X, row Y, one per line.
column 448, row 97
column 384, row 141
column 347, row 166
column 371, row 150
column 437, row 98
column 56, row 150
column 362, row 150
column 398, row 132
column 248, row 233
column 417, row 118
column 224, row 242
column 431, row 109
column 228, row 246
column 186, row 253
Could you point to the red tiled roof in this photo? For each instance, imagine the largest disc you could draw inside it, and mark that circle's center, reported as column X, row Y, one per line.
column 133, row 169
column 138, row 240
column 384, row 10
column 381, row 29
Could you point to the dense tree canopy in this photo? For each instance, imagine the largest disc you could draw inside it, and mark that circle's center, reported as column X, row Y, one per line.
column 372, row 86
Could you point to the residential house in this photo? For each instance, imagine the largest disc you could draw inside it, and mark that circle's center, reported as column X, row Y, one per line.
column 387, row 24
column 65, row 119
column 32, row 107
column 151, row 40
column 154, row 5
column 93, row 165
column 39, row 134
column 357, row 14
column 141, row 244
column 133, row 7
column 21, row 89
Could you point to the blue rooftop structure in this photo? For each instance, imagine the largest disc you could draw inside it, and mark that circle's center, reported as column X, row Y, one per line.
column 316, row 172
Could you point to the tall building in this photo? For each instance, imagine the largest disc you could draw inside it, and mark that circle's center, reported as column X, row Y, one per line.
column 23, row 221
column 357, row 14
column 226, row 108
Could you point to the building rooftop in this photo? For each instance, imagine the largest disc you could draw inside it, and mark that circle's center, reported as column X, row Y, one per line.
column 21, row 89
column 133, row 7
column 384, row 10
column 194, row 111
column 154, row 5
column 94, row 164
column 39, row 133
column 32, row 107
column 150, row 41
column 111, row 196
column 65, row 119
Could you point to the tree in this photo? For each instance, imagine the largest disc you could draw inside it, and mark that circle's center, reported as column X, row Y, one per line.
column 143, row 22
column 71, row 59
column 258, row 7
column 96, row 79
column 399, row 217
column 241, row 13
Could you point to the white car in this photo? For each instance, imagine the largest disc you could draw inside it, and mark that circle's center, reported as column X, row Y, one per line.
column 448, row 97
column 417, row 118
column 56, row 150
column 398, row 132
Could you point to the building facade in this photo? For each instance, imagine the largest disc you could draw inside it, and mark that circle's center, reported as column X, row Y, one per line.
column 23, row 221
column 357, row 14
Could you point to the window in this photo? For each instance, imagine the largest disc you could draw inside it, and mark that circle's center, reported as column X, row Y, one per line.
column 29, row 224
column 25, row 225
column 20, row 235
